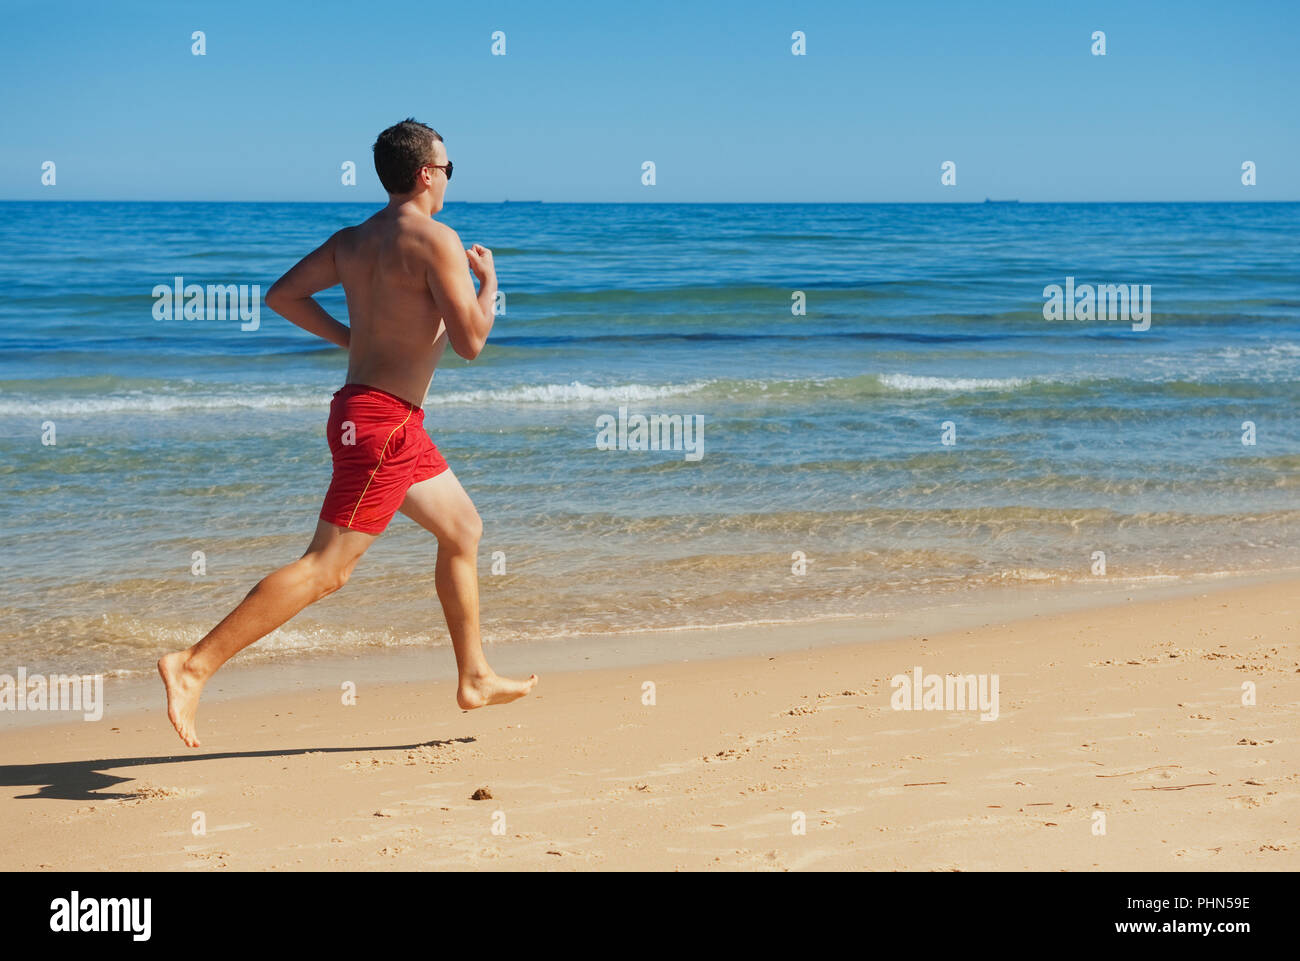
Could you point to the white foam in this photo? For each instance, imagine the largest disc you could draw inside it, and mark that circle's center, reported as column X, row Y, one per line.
column 252, row 399
column 572, row 393
column 909, row 382
column 158, row 403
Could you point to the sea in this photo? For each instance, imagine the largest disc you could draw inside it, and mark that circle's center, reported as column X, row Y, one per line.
column 888, row 415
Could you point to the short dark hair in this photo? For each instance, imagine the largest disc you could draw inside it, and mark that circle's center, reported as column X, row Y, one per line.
column 401, row 151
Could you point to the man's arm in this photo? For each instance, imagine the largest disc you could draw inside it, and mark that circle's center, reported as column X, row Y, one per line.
column 291, row 295
column 468, row 317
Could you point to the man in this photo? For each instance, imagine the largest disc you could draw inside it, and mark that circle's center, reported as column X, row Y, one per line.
column 409, row 295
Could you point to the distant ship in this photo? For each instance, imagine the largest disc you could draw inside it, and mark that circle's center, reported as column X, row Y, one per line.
column 522, row 201
column 988, row 201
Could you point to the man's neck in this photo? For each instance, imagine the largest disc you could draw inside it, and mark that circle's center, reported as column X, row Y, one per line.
column 415, row 203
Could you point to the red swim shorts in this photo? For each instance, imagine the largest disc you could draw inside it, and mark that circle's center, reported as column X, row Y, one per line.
column 380, row 449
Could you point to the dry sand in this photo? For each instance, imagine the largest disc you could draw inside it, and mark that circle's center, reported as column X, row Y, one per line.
column 1132, row 710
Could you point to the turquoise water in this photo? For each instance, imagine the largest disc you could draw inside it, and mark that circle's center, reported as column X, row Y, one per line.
column 822, row 432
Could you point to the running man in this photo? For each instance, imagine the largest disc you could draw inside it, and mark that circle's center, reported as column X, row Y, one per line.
column 409, row 295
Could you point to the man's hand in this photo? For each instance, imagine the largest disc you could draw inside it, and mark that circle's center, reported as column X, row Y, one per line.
column 480, row 261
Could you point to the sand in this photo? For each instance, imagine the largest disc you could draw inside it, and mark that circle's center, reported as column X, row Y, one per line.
column 1131, row 710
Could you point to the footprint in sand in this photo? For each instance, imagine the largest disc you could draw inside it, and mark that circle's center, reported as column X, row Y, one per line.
column 1162, row 772
column 730, row 754
column 1197, row 854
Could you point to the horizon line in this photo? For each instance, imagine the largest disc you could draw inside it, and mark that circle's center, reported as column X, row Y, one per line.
column 627, row 203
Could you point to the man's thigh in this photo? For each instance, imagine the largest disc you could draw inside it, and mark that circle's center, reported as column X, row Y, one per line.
column 441, row 506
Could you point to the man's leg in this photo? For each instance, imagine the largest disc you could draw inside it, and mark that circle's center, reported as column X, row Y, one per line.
column 441, row 506
column 321, row 571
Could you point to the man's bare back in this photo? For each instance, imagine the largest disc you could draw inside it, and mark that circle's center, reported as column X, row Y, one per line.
column 409, row 294
column 398, row 334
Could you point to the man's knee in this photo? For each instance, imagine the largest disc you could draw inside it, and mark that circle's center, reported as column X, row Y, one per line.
column 465, row 533
column 328, row 577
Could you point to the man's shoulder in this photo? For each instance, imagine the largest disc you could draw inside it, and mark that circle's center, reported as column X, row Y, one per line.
column 441, row 232
column 440, row 238
column 345, row 236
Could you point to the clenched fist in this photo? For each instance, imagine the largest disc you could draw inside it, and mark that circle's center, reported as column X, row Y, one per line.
column 480, row 261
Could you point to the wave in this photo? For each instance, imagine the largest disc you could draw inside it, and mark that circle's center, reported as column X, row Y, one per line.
column 160, row 403
column 141, row 399
column 909, row 382
column 575, row 392
column 250, row 398
column 571, row 393
column 728, row 293
column 646, row 338
column 828, row 525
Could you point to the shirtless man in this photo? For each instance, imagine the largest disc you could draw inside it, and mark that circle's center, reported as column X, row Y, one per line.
column 409, row 295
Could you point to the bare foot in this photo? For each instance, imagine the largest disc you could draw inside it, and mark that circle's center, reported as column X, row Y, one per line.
column 486, row 689
column 183, row 690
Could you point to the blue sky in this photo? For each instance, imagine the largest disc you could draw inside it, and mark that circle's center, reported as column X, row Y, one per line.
column 710, row 92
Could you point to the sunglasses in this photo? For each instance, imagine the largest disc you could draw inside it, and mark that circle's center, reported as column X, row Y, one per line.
column 447, row 167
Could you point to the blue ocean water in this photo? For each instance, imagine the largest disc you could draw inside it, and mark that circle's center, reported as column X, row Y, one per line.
column 823, row 430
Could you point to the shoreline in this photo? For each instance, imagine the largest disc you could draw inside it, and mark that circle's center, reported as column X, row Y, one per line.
column 1131, row 710
column 285, row 672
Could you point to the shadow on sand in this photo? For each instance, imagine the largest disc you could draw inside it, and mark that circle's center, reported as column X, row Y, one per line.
column 87, row 780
